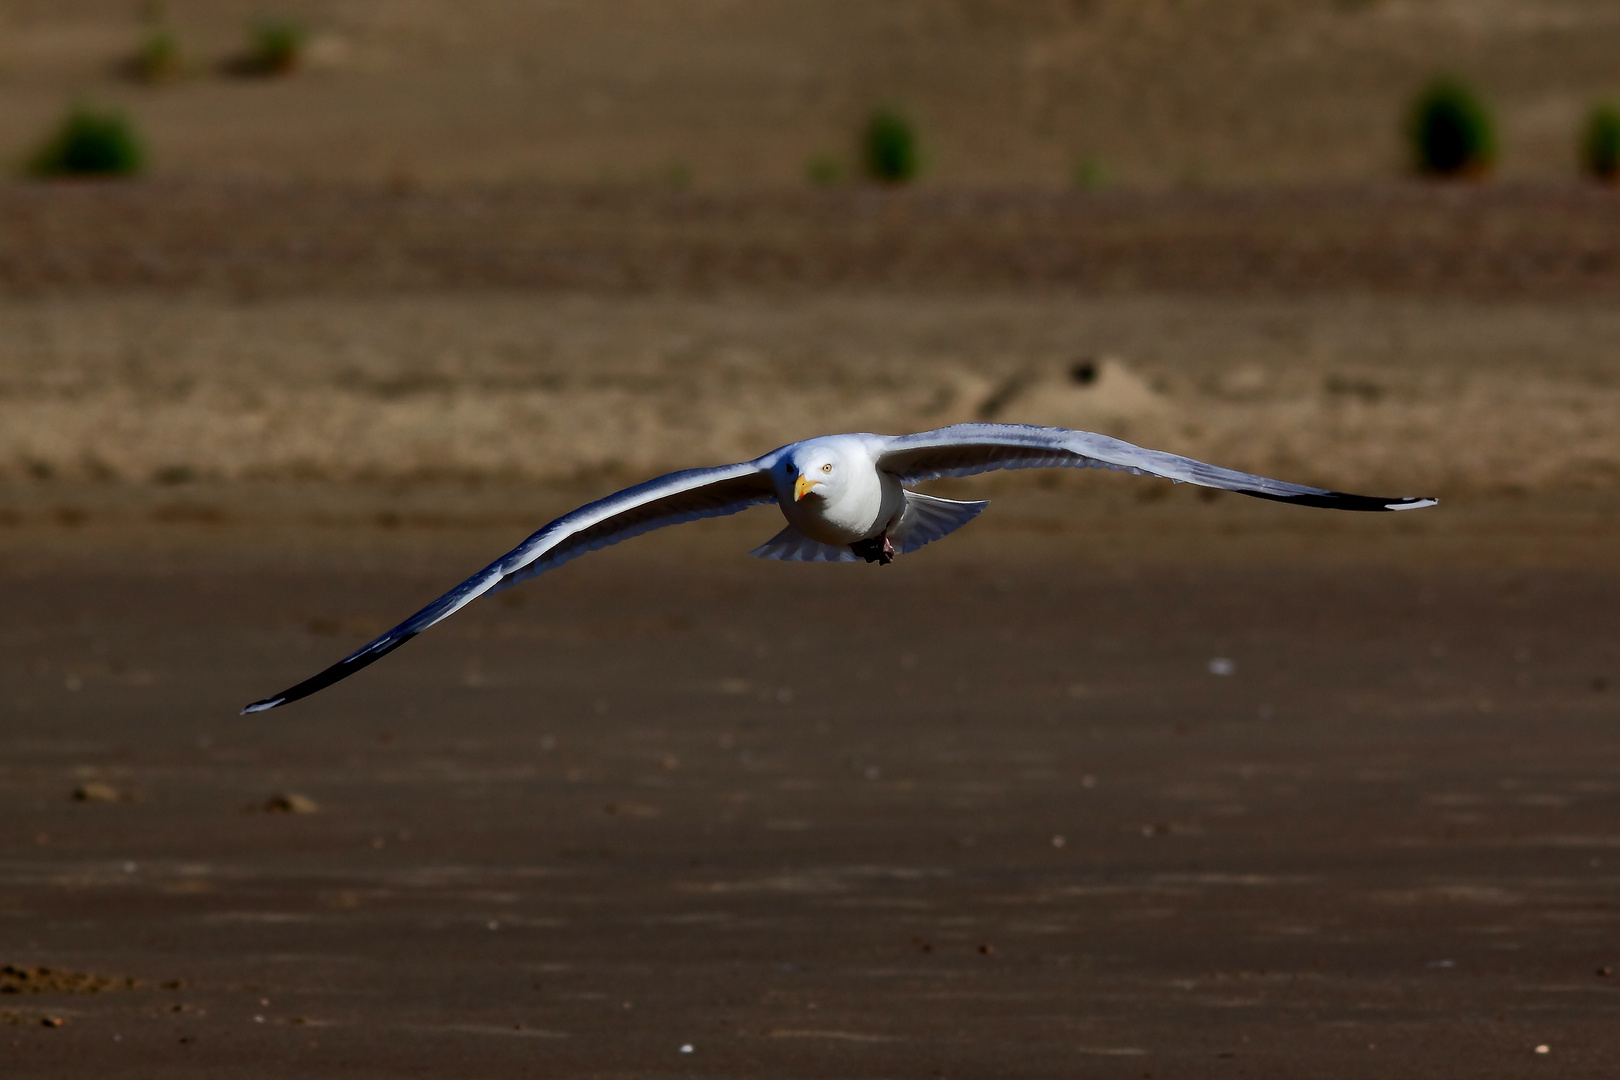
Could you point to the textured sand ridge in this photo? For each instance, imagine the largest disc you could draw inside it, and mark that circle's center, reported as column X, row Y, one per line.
column 1353, row 393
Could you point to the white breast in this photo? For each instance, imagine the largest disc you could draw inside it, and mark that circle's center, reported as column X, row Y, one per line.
column 862, row 504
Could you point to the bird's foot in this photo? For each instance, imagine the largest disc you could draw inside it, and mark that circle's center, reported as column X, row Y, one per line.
column 878, row 549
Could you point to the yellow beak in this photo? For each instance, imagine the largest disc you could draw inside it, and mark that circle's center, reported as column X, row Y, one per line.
column 802, row 486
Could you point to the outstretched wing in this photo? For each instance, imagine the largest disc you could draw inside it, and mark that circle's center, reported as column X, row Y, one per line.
column 965, row 449
column 668, row 500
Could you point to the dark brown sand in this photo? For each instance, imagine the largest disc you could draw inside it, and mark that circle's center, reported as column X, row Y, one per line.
column 257, row 239
column 965, row 816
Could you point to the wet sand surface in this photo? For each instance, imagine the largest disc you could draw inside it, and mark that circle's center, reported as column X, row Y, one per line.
column 961, row 817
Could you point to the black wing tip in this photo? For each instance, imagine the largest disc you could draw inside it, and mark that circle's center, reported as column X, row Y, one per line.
column 1339, row 500
column 336, row 673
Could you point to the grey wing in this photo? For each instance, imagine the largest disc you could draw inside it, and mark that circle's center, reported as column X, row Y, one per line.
column 965, row 449
column 668, row 500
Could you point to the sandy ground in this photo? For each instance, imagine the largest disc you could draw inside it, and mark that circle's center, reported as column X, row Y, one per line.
column 1406, row 337
column 986, row 812
column 252, row 239
column 1443, row 397
column 994, row 810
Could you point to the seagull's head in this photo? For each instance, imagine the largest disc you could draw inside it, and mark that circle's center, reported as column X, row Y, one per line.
column 814, row 470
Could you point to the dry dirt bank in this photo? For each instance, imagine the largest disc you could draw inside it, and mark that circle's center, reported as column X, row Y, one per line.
column 1454, row 397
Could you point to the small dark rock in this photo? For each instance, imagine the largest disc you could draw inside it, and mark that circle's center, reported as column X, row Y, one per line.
column 96, row 791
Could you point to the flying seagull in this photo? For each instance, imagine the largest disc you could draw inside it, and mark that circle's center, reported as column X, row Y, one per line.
column 846, row 499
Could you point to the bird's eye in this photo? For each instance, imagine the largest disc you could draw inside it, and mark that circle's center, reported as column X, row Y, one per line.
column 827, row 467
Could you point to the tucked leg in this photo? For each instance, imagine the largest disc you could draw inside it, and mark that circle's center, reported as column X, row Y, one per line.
column 878, row 549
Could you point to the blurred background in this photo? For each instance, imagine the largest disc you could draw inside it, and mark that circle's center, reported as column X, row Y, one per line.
column 308, row 309
column 404, row 239
column 724, row 96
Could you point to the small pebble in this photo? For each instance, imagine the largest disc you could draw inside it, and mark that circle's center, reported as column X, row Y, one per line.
column 1543, row 1049
column 686, row 1048
column 290, row 802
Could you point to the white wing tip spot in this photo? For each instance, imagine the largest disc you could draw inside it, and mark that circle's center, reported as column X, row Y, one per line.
column 1411, row 504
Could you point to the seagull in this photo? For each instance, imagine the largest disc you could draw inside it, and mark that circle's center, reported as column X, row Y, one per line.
column 846, row 498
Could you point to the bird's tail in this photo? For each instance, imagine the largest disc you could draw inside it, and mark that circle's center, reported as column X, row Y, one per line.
column 927, row 518
column 791, row 545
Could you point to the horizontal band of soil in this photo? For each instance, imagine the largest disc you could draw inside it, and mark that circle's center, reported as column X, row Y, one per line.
column 256, row 238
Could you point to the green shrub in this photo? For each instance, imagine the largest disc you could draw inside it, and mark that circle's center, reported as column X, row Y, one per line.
column 275, row 46
column 674, row 174
column 1600, row 142
column 1089, row 174
column 1451, row 130
column 90, row 143
column 158, row 59
column 825, row 170
column 890, row 148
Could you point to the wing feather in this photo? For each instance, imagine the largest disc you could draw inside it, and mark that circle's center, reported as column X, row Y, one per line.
column 967, row 449
column 668, row 500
